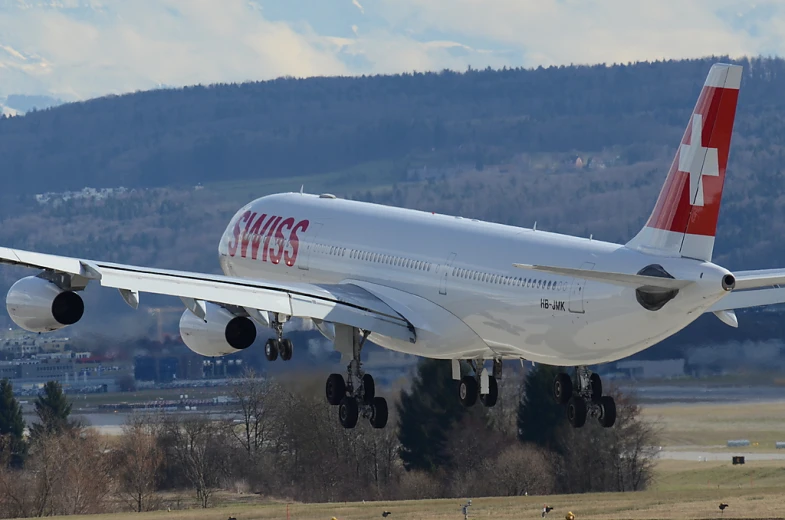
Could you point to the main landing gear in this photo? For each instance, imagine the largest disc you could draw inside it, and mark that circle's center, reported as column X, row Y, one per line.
column 481, row 384
column 354, row 396
column 279, row 344
column 582, row 395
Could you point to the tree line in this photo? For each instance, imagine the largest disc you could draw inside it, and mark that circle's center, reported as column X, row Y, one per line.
column 289, row 126
column 284, row 441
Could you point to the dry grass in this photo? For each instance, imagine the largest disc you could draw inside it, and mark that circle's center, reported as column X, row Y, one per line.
column 751, row 503
column 715, row 424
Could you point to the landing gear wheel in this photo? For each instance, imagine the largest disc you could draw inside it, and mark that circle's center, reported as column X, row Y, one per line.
column 467, row 391
column 493, row 393
column 287, row 349
column 271, row 349
column 608, row 417
column 369, row 388
column 596, row 387
column 576, row 412
column 336, row 389
column 379, row 413
column 562, row 388
column 348, row 412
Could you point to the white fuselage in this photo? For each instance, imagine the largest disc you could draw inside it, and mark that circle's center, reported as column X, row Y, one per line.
column 457, row 276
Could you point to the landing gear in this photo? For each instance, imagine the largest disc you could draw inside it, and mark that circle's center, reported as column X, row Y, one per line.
column 481, row 384
column 582, row 394
column 278, row 345
column 355, row 400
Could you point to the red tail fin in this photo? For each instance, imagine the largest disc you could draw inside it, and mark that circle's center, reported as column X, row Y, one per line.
column 684, row 220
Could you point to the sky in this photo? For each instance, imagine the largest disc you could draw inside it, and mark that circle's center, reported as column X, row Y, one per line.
column 79, row 49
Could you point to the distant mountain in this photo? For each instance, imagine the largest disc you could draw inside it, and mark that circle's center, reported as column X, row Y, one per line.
column 22, row 103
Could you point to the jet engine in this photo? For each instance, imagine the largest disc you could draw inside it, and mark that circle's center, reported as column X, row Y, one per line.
column 219, row 334
column 39, row 305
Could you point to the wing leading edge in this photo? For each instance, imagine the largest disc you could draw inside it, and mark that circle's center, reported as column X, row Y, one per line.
column 338, row 303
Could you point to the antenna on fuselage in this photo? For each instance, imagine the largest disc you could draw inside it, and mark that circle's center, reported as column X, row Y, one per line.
column 301, row 188
column 535, row 226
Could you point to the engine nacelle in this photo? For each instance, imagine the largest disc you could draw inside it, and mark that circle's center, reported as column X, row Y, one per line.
column 38, row 305
column 221, row 334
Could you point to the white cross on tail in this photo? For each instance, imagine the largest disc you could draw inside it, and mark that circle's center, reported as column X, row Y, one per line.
column 696, row 160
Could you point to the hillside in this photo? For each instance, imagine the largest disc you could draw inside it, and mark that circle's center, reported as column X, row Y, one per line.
column 580, row 150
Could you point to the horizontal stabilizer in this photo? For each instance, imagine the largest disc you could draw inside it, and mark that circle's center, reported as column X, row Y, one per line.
column 759, row 279
column 750, row 298
column 627, row 280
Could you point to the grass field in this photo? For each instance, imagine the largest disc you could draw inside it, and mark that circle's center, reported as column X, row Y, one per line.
column 752, row 503
column 711, row 426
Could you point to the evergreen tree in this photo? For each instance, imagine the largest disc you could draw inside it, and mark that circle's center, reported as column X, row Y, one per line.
column 426, row 414
column 12, row 426
column 53, row 411
column 539, row 416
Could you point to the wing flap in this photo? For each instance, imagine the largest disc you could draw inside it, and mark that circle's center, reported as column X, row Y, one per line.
column 627, row 280
column 339, row 303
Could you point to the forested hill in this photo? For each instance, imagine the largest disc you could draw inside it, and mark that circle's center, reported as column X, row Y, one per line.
column 303, row 127
column 581, row 150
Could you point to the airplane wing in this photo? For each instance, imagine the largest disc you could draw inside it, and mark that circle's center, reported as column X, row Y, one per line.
column 338, row 303
column 627, row 280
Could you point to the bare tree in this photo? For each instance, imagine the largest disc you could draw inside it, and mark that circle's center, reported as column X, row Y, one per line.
column 257, row 399
column 198, row 445
column 71, row 473
column 521, row 469
column 138, row 462
column 610, row 459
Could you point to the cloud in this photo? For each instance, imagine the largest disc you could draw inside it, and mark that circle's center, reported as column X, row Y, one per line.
column 140, row 44
column 75, row 49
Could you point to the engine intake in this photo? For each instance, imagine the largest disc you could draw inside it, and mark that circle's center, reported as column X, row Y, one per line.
column 220, row 334
column 654, row 298
column 38, row 305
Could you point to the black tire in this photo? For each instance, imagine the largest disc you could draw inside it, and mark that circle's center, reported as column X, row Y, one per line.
column 379, row 416
column 271, row 349
column 596, row 387
column 348, row 412
column 562, row 388
column 608, row 417
column 336, row 389
column 467, row 391
column 287, row 349
column 369, row 387
column 489, row 400
column 576, row 412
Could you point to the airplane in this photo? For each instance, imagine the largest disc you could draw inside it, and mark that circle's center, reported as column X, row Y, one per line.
column 445, row 287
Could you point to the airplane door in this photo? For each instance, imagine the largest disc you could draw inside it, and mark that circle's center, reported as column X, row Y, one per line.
column 445, row 272
column 304, row 264
column 577, row 290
